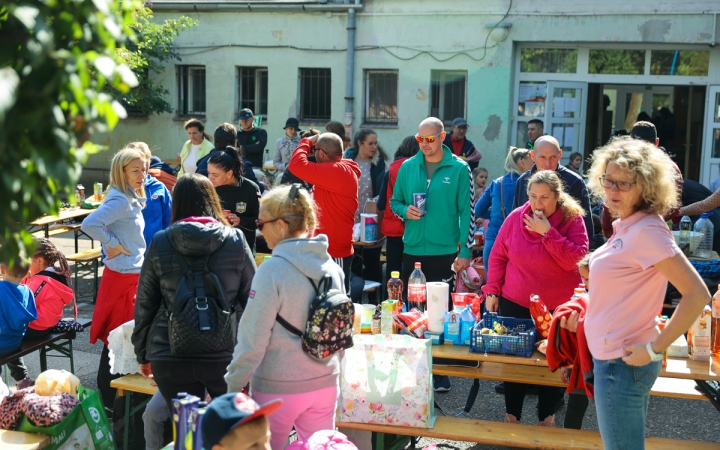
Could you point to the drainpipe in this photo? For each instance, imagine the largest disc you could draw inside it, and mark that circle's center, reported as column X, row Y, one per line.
column 350, row 73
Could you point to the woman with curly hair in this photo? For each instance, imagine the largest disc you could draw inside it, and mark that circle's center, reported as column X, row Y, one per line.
column 636, row 181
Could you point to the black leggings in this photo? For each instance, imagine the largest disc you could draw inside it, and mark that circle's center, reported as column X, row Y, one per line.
column 548, row 396
column 18, row 370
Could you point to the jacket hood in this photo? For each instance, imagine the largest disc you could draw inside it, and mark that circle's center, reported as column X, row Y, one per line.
column 63, row 291
column 22, row 311
column 308, row 255
column 198, row 239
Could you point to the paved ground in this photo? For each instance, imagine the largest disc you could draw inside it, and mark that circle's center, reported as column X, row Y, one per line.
column 672, row 418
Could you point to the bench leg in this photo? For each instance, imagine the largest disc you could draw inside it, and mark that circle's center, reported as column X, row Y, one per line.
column 76, row 241
column 95, row 281
column 72, row 359
column 43, row 359
column 126, row 420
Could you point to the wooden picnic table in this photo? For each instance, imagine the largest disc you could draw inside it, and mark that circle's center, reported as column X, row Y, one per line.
column 49, row 219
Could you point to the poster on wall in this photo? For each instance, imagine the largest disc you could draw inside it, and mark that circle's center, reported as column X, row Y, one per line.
column 531, row 99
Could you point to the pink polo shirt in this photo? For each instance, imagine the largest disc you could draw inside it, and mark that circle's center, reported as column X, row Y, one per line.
column 626, row 290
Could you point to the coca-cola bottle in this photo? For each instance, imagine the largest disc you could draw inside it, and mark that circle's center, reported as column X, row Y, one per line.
column 417, row 289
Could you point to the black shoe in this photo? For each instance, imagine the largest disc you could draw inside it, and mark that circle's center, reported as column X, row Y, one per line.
column 441, row 383
column 500, row 388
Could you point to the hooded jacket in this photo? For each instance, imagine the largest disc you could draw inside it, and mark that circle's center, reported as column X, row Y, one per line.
column 50, row 299
column 162, row 172
column 267, row 355
column 449, row 218
column 336, row 195
column 161, row 274
column 490, row 205
column 158, row 208
column 17, row 310
column 523, row 263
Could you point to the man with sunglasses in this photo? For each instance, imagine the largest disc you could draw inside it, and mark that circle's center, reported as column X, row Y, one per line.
column 335, row 190
column 432, row 238
column 546, row 154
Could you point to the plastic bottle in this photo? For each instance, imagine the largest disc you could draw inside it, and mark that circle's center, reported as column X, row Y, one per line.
column 661, row 325
column 579, row 291
column 715, row 336
column 704, row 226
column 395, row 287
column 417, row 289
column 685, row 227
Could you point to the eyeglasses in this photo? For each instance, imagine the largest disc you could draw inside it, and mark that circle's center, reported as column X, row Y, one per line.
column 372, row 144
column 622, row 186
column 428, row 139
column 260, row 224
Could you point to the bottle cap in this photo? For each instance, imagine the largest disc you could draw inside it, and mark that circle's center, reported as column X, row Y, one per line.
column 267, row 257
column 417, row 264
column 395, row 274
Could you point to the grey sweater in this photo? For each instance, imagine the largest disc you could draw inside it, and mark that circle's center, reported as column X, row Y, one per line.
column 266, row 354
column 119, row 220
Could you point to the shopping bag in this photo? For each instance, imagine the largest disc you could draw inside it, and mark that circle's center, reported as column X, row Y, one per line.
column 72, row 433
column 94, row 412
column 387, row 379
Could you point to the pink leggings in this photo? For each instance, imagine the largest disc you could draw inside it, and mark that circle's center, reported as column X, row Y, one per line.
column 308, row 413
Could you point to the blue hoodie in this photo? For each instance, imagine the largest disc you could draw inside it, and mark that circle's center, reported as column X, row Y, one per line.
column 17, row 310
column 158, row 208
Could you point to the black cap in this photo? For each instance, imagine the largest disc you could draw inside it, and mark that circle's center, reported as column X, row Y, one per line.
column 228, row 412
column 246, row 113
column 292, row 123
column 459, row 122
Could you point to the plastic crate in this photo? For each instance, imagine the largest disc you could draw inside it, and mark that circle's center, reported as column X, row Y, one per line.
column 520, row 344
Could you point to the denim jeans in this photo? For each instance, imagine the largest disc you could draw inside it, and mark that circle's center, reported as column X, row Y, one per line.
column 622, row 394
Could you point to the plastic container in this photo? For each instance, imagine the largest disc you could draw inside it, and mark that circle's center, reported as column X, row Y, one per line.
column 417, row 289
column 521, row 344
column 704, row 226
column 395, row 287
column 685, row 228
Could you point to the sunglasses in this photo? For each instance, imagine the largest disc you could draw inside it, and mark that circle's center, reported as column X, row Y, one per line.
column 428, row 139
column 260, row 224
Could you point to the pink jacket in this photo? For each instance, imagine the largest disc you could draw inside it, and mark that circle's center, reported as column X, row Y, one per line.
column 522, row 263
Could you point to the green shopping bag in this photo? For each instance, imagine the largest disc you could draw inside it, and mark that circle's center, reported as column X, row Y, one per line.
column 96, row 419
column 85, row 428
column 73, row 432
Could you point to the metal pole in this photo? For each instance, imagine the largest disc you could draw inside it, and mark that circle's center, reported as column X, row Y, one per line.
column 350, row 73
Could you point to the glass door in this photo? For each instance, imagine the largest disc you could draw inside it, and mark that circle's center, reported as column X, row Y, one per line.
column 565, row 110
column 711, row 154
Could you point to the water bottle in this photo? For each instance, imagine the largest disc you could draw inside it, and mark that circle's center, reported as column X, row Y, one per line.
column 685, row 227
column 705, row 227
column 417, row 289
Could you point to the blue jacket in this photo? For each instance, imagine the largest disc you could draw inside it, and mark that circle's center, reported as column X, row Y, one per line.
column 158, row 208
column 17, row 310
column 490, row 207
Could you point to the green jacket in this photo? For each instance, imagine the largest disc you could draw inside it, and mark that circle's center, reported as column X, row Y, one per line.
column 448, row 219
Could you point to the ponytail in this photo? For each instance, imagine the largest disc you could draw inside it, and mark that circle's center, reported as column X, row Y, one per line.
column 53, row 257
column 228, row 158
column 207, row 136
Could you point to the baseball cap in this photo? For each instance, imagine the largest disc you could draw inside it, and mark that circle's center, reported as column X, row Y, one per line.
column 246, row 113
column 229, row 411
column 459, row 122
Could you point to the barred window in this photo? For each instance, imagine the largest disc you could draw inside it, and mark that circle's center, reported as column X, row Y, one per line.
column 191, row 90
column 253, row 90
column 381, row 96
column 448, row 95
column 314, row 95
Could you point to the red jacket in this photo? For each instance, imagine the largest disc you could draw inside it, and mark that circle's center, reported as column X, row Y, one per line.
column 50, row 300
column 391, row 224
column 566, row 348
column 336, row 194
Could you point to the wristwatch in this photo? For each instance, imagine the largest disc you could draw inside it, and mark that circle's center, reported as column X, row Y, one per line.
column 653, row 356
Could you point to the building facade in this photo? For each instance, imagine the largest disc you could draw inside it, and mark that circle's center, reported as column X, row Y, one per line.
column 586, row 69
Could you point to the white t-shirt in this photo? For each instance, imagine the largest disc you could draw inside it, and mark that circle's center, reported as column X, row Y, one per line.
column 190, row 163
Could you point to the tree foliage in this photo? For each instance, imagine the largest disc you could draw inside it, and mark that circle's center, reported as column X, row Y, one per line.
column 56, row 58
column 146, row 56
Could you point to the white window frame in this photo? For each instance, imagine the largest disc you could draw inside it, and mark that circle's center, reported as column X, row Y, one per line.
column 257, row 109
column 192, row 75
column 445, row 76
column 368, row 97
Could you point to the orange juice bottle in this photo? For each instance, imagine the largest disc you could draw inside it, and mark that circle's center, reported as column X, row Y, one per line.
column 715, row 336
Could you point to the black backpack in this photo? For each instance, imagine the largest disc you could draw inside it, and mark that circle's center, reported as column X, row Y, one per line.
column 329, row 328
column 200, row 319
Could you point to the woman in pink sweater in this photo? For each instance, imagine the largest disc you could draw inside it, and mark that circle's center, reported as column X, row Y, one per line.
column 536, row 252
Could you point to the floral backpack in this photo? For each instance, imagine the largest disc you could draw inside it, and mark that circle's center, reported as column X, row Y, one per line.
column 329, row 326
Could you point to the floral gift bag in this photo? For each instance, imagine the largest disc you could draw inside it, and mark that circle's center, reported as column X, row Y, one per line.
column 387, row 379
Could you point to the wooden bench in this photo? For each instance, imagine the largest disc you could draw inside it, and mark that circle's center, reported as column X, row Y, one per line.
column 84, row 259
column 17, row 440
column 62, row 229
column 509, row 434
column 539, row 375
column 58, row 342
column 126, row 386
